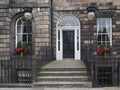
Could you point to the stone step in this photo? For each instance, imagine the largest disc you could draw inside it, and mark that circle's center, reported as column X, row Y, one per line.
column 63, row 69
column 62, row 78
column 14, row 85
column 62, row 84
column 66, row 74
column 63, row 73
column 65, row 64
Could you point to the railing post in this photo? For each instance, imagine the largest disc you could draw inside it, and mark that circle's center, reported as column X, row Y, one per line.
column 119, row 73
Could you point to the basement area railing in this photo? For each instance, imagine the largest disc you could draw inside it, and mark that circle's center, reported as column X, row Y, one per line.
column 21, row 72
column 101, row 71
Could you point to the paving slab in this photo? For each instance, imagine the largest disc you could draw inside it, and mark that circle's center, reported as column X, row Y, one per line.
column 103, row 88
column 81, row 88
column 45, row 88
column 66, row 88
column 21, row 89
column 111, row 88
column 51, row 88
column 96, row 89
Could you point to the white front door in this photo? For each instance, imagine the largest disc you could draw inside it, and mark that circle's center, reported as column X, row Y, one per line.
column 68, row 38
column 68, row 44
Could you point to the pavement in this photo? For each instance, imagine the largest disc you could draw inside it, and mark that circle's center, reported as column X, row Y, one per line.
column 103, row 88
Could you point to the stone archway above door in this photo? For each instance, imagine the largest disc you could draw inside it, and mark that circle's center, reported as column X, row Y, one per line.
column 68, row 23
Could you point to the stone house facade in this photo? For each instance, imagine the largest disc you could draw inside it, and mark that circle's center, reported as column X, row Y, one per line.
column 64, row 25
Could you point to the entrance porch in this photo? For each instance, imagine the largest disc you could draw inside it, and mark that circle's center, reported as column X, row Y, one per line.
column 68, row 38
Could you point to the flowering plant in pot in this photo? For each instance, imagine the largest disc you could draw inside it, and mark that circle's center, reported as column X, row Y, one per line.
column 22, row 49
column 105, row 50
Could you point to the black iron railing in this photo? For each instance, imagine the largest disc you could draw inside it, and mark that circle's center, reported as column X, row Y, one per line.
column 21, row 72
column 45, row 55
column 16, row 70
column 86, row 59
column 101, row 71
column 104, row 70
column 105, row 73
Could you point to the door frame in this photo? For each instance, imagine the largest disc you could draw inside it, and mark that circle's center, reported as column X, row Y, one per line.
column 59, row 43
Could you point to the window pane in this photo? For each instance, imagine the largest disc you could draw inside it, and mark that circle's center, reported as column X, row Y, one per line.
column 24, row 38
column 58, row 34
column 99, row 37
column 19, row 37
column 106, row 38
column 29, row 29
column 104, row 30
column 29, row 23
column 29, row 37
column 77, row 39
column 58, row 45
column 25, row 29
column 19, row 22
column 29, row 26
column 30, row 46
column 19, row 29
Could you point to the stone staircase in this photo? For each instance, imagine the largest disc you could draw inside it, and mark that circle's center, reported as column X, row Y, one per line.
column 65, row 74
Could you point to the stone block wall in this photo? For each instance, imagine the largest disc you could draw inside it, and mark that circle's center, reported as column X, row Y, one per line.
column 4, row 1
column 4, row 34
column 78, row 3
column 42, row 31
column 29, row 3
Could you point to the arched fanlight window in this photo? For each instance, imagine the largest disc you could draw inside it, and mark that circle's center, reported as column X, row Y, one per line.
column 23, row 32
column 68, row 21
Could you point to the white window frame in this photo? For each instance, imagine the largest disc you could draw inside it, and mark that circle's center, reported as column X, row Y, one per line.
column 101, row 24
column 21, row 32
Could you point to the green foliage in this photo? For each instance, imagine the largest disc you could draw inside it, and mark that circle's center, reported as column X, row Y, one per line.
column 22, row 45
column 25, row 45
column 104, row 46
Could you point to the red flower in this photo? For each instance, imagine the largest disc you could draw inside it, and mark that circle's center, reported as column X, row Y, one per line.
column 100, row 51
column 21, row 49
column 18, row 50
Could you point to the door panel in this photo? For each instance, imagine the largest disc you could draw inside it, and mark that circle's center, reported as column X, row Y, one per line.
column 68, row 44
